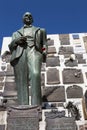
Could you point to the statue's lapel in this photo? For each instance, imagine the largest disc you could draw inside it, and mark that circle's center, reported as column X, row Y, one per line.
column 21, row 31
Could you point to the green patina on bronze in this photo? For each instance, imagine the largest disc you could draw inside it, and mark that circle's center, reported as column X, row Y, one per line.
column 28, row 47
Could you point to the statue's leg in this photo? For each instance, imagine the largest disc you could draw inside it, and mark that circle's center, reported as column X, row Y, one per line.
column 20, row 71
column 34, row 64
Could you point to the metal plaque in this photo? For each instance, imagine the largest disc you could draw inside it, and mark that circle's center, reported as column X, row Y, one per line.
column 54, row 94
column 23, row 118
column 53, row 76
column 71, row 76
column 63, row 123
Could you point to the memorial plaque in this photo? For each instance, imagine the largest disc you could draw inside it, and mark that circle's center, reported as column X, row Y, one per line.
column 1, row 85
column 71, row 63
column 81, row 61
column 2, row 74
column 10, row 86
column 55, row 114
column 79, row 56
column 64, row 39
column 23, row 118
column 86, row 74
column 2, row 127
column 9, row 71
column 54, row 94
column 71, row 76
column 52, row 61
column 66, row 50
column 85, row 42
column 50, row 42
column 10, row 89
column 63, row 123
column 51, row 50
column 53, row 76
column 74, row 92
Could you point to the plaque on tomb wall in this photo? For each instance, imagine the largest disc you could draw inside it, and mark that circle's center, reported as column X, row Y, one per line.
column 2, row 127
column 51, row 50
column 66, row 50
column 63, row 123
column 2, row 74
column 10, row 89
column 54, row 94
column 79, row 56
column 81, row 61
column 54, row 113
column 53, row 76
column 52, row 61
column 74, row 91
column 71, row 63
column 71, row 76
column 1, row 85
column 9, row 71
column 23, row 118
column 50, row 42
column 64, row 39
column 86, row 74
column 10, row 86
column 85, row 42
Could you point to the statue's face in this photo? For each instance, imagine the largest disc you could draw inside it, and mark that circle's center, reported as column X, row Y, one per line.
column 27, row 19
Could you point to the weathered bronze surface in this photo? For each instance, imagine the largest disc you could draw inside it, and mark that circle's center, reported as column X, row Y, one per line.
column 28, row 48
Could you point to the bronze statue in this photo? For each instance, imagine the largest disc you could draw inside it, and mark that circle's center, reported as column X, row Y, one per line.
column 28, row 46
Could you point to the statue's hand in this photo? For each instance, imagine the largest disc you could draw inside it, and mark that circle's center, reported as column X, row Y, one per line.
column 21, row 40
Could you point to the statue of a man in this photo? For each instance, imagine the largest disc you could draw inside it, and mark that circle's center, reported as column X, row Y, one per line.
column 27, row 48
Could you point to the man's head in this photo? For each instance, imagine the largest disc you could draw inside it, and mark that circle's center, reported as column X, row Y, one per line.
column 27, row 18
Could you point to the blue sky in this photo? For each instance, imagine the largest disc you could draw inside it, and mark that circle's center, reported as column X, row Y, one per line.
column 56, row 16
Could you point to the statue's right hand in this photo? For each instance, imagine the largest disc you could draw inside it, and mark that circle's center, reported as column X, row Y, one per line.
column 21, row 40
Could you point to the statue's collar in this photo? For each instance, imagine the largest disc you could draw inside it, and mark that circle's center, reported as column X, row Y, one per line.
column 27, row 26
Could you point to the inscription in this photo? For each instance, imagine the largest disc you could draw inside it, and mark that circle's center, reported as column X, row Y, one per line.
column 23, row 118
column 64, row 123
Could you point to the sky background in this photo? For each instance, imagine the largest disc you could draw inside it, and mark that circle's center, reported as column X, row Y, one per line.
column 56, row 16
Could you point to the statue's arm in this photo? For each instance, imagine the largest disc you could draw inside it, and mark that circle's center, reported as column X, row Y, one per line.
column 16, row 40
column 44, row 42
column 13, row 43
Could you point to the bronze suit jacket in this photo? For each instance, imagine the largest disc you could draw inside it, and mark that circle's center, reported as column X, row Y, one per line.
column 17, row 50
